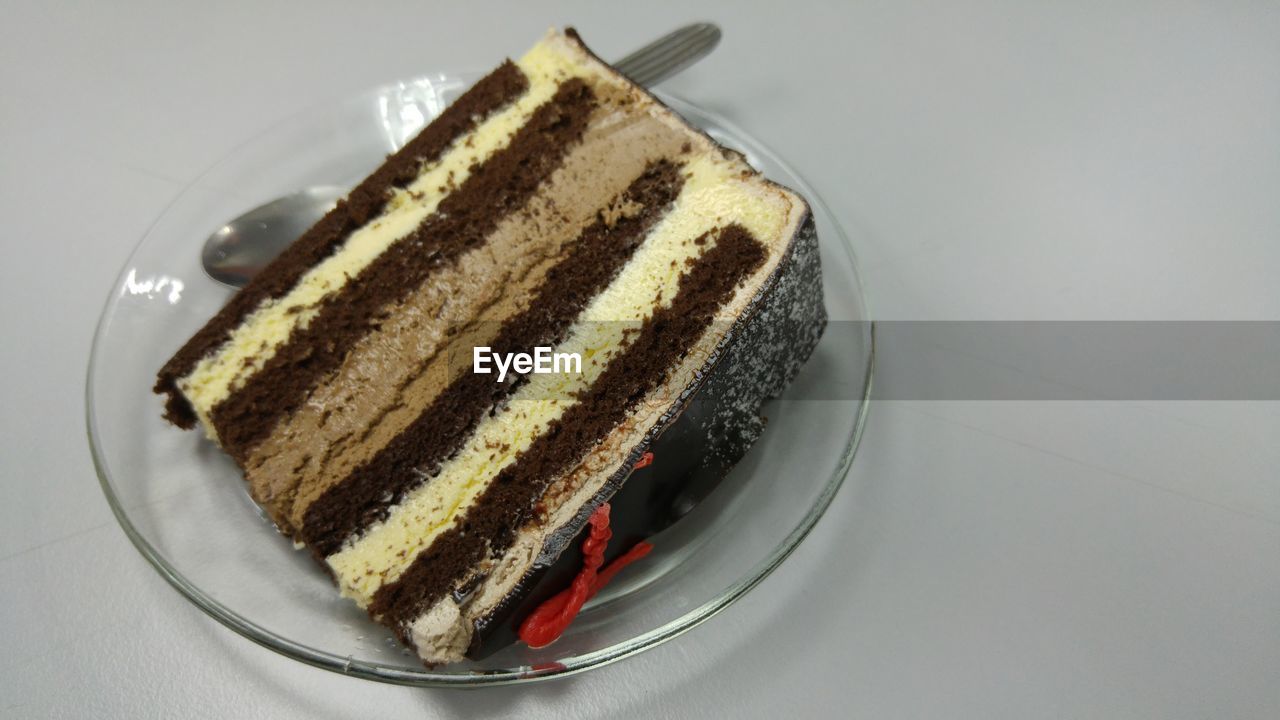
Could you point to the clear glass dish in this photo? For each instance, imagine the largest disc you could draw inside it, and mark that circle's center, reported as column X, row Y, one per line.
column 184, row 505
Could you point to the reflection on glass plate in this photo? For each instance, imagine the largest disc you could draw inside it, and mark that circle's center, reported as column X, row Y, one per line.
column 184, row 505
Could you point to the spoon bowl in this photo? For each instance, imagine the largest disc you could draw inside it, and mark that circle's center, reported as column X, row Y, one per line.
column 235, row 252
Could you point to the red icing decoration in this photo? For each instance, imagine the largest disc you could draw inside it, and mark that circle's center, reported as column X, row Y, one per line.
column 636, row 552
column 552, row 617
column 645, row 461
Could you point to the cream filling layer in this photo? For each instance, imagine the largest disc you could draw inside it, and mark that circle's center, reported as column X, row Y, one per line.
column 714, row 194
column 256, row 340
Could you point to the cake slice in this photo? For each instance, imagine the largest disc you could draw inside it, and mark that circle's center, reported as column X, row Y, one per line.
column 554, row 205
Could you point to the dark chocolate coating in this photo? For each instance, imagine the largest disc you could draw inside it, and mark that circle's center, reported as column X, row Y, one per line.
column 696, row 445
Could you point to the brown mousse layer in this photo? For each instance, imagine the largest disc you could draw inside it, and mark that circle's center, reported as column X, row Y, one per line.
column 495, row 91
column 509, row 501
column 592, row 260
column 495, row 188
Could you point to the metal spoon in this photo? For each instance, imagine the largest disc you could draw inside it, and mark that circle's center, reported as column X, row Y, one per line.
column 242, row 247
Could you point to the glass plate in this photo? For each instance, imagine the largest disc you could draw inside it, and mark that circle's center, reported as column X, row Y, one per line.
column 185, row 507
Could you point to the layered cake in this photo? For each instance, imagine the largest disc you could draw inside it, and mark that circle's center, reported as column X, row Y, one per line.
column 392, row 385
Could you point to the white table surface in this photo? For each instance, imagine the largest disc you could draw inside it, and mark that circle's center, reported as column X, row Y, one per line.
column 1088, row 160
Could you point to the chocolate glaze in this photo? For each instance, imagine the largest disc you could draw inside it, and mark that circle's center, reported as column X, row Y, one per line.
column 698, row 444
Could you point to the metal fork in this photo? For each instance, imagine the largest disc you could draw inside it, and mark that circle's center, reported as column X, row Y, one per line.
column 670, row 53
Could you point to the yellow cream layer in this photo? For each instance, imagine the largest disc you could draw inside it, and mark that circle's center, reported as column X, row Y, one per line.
column 714, row 194
column 256, row 340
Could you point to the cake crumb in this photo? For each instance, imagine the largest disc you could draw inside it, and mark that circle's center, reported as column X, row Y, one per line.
column 619, row 210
